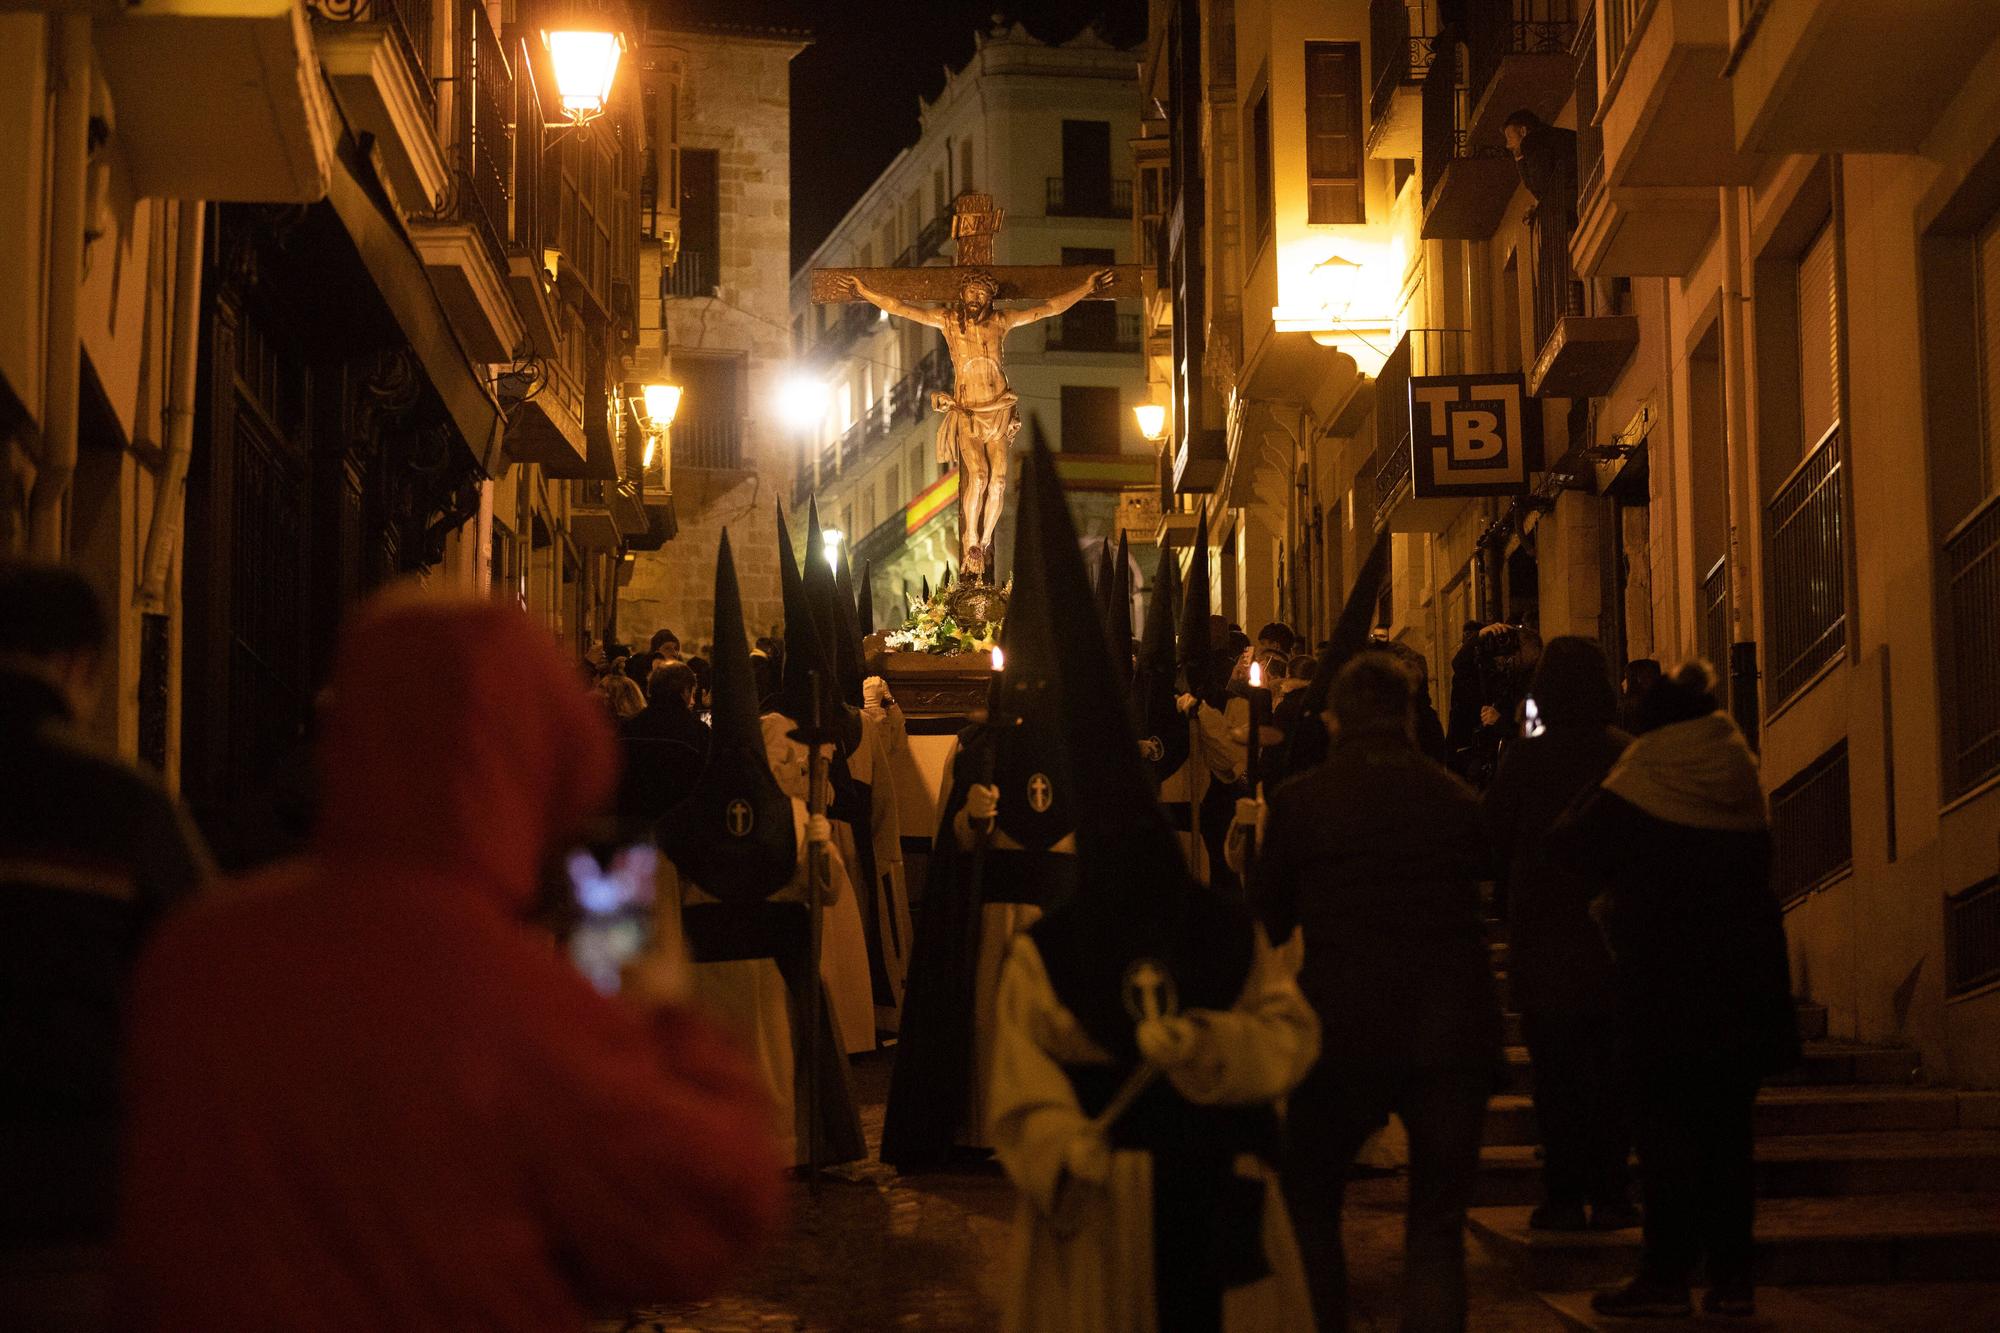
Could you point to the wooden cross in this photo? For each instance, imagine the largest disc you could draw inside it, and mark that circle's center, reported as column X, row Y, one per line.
column 974, row 221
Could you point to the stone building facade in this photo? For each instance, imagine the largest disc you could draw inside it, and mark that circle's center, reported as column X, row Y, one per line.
column 723, row 328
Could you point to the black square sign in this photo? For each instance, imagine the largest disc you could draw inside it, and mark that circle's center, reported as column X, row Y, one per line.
column 1473, row 435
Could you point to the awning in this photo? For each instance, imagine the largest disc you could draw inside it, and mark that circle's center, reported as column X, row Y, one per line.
column 363, row 207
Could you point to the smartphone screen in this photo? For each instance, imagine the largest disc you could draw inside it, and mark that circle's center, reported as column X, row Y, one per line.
column 1531, row 718
column 613, row 889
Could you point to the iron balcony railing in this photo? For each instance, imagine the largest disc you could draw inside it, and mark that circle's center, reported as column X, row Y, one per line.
column 1589, row 138
column 1812, row 826
column 409, row 24
column 1806, row 579
column 1081, row 329
column 1418, row 352
column 1622, row 21
column 1496, row 29
column 1400, row 34
column 1067, row 198
column 1557, row 291
column 524, row 233
column 694, row 273
column 1972, row 600
column 482, row 133
column 1715, row 635
column 1448, row 101
column 708, row 442
column 910, row 396
column 929, row 243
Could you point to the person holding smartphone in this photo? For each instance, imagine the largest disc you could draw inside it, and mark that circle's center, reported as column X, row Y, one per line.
column 363, row 1082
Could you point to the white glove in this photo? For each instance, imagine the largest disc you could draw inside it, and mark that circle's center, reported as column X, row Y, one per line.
column 1186, row 703
column 819, row 830
column 1246, row 831
column 1167, row 1042
column 982, row 801
column 1250, row 812
column 875, row 693
column 1088, row 1157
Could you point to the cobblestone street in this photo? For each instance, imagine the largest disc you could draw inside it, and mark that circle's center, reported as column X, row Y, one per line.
column 884, row 1252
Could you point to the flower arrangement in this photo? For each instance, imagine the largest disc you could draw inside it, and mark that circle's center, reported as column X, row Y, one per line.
column 932, row 628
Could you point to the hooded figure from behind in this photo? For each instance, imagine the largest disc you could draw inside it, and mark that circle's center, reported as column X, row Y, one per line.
column 1558, row 966
column 1164, row 1213
column 391, row 1102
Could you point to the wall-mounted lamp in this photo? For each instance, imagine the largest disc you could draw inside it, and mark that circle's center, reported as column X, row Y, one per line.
column 802, row 401
column 1152, row 418
column 662, row 402
column 586, row 62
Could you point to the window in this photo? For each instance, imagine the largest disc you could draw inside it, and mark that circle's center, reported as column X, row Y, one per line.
column 1333, row 132
column 1986, row 263
column 1819, row 341
column 1086, row 159
column 1090, row 423
column 1260, row 168
column 965, row 164
column 918, row 477
column 699, row 268
column 1087, row 326
column 708, row 429
column 939, row 203
column 892, row 490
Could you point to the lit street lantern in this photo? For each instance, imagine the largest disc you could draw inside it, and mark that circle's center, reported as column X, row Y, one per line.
column 586, row 61
column 1152, row 420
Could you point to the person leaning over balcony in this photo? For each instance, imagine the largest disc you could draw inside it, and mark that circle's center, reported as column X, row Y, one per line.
column 1678, row 836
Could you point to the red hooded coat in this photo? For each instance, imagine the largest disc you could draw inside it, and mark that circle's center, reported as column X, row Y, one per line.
column 365, row 1096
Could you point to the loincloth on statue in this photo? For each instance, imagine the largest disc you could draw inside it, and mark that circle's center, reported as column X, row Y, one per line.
column 997, row 421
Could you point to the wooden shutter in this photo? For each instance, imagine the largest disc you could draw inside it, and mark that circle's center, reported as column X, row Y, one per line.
column 1333, row 132
column 1819, row 340
column 1987, row 261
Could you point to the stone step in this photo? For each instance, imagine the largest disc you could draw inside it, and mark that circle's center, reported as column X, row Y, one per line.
column 1812, row 1024
column 1778, row 1308
column 1826, row 1064
column 1510, row 1117
column 1800, row 1242
column 1808, row 1165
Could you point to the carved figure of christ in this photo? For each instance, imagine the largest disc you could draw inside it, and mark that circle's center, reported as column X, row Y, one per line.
column 981, row 415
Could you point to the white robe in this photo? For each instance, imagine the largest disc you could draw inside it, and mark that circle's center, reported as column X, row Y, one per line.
column 1083, row 1252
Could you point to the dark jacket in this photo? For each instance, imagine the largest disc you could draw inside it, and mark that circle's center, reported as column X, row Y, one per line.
column 1557, row 962
column 1376, row 856
column 665, row 747
column 1697, row 936
column 92, row 853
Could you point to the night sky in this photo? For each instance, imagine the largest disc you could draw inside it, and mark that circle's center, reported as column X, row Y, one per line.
column 855, row 89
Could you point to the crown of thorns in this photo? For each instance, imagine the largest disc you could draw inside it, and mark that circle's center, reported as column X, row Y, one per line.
column 985, row 282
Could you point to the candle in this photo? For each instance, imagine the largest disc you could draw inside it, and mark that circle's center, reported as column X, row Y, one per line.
column 1260, row 712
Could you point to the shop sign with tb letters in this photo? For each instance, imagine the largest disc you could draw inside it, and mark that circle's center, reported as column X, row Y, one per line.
column 1473, row 435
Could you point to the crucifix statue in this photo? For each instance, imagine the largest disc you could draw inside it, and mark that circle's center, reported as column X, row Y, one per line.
column 981, row 414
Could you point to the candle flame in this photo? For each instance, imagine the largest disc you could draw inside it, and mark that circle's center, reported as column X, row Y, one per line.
column 1256, row 675
column 999, row 659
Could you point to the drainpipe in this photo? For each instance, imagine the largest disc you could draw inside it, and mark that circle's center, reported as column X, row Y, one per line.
column 169, row 493
column 1742, row 638
column 482, row 550
column 63, row 372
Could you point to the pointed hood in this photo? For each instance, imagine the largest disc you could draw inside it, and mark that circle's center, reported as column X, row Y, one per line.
column 804, row 652
column 1135, row 899
column 733, row 834
column 1163, row 732
column 864, row 601
column 924, row 582
column 1196, row 608
column 1305, row 746
column 1118, row 620
column 1031, row 754
column 818, row 575
column 847, row 667
column 1100, row 585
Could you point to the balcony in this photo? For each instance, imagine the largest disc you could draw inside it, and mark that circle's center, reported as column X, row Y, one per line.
column 219, row 102
column 463, row 241
column 1066, row 198
column 605, row 514
column 544, row 413
column 1805, row 572
column 378, row 56
column 1664, row 106
column 1465, row 186
column 1579, row 352
column 1852, row 76
column 708, row 442
column 526, row 276
column 694, row 273
column 1400, row 34
column 1519, row 59
column 1083, row 329
column 1971, row 670
column 1419, row 352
